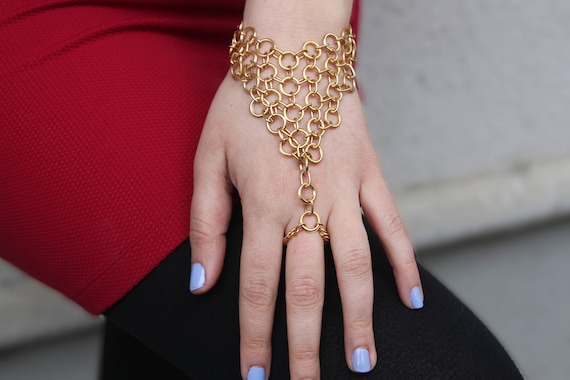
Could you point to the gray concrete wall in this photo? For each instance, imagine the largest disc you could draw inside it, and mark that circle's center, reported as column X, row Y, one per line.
column 469, row 107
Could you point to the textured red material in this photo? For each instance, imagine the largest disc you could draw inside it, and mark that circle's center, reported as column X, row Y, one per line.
column 101, row 107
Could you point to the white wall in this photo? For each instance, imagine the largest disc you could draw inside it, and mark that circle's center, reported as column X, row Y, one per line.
column 469, row 107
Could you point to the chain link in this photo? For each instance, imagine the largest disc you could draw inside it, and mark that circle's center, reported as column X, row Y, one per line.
column 298, row 95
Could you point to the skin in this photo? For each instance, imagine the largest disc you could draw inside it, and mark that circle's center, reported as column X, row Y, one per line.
column 236, row 152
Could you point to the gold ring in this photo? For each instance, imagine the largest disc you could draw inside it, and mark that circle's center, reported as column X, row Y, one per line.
column 320, row 228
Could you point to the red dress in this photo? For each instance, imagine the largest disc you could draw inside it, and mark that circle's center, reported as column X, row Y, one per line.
column 101, row 107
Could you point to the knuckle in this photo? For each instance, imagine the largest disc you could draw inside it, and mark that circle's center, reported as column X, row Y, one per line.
column 407, row 266
column 394, row 225
column 261, row 205
column 306, row 363
column 258, row 293
column 360, row 326
column 356, row 263
column 305, row 292
column 252, row 347
column 306, row 356
column 200, row 232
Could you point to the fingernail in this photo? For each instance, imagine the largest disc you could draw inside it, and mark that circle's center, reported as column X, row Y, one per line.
column 197, row 277
column 416, row 298
column 256, row 373
column 361, row 360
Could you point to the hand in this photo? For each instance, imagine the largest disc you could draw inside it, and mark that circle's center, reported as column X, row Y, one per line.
column 236, row 151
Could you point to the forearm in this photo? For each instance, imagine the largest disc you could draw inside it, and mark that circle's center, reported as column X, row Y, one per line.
column 291, row 22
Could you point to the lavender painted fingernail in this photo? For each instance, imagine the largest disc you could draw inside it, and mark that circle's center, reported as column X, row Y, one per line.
column 197, row 277
column 361, row 360
column 256, row 373
column 416, row 298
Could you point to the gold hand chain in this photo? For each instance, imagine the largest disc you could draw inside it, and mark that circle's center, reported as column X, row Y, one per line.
column 298, row 94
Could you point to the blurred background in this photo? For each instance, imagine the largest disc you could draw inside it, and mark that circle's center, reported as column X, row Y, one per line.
column 469, row 107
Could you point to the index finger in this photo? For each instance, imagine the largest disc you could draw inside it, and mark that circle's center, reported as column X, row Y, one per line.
column 260, row 267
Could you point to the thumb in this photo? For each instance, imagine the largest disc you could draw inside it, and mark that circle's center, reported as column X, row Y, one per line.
column 209, row 218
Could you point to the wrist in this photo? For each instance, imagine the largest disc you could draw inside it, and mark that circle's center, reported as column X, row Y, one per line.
column 290, row 23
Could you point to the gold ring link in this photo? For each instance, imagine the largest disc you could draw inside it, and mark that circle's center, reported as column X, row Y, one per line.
column 312, row 190
column 314, row 153
column 304, row 225
column 292, row 56
column 298, row 94
column 305, row 177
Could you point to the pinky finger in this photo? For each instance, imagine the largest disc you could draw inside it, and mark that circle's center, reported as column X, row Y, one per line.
column 381, row 211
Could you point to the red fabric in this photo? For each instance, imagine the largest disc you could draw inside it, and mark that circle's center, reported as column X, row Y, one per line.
column 101, row 107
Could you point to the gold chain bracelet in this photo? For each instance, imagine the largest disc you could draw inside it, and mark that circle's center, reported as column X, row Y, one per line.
column 298, row 94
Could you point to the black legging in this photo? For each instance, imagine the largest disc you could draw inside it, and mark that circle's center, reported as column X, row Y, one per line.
column 161, row 331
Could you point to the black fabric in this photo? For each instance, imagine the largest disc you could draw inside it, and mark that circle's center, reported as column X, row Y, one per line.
column 124, row 357
column 199, row 335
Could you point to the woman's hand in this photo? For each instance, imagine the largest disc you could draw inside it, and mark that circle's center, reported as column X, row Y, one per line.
column 237, row 151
